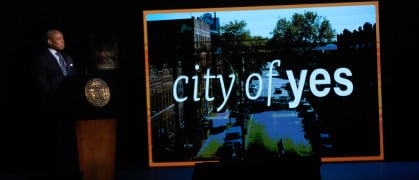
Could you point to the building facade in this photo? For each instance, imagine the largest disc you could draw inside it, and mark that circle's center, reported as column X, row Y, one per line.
column 181, row 46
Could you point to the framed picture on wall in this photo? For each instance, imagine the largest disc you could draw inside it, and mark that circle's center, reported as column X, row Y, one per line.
column 105, row 52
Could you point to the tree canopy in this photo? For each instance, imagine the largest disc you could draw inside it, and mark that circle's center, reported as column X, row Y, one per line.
column 302, row 33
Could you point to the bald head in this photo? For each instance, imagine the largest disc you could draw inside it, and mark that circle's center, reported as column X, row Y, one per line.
column 55, row 39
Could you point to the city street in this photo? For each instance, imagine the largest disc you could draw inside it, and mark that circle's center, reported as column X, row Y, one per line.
column 271, row 125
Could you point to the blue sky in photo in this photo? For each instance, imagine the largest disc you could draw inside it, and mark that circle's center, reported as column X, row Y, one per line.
column 261, row 22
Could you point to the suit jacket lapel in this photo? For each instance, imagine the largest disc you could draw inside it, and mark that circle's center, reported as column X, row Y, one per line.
column 55, row 62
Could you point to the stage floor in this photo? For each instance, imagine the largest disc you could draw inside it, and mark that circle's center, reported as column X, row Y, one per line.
column 332, row 171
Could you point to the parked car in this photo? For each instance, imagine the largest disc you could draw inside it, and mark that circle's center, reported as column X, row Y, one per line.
column 233, row 143
column 233, row 135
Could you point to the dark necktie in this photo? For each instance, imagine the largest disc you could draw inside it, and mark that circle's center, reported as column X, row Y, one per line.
column 62, row 63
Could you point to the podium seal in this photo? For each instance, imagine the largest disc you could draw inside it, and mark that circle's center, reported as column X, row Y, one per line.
column 97, row 92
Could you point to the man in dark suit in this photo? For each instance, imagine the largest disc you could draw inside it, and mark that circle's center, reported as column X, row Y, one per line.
column 52, row 66
column 56, row 132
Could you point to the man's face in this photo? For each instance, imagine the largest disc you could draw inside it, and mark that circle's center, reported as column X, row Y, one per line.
column 56, row 41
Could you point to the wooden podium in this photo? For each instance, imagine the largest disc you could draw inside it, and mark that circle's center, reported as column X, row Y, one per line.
column 96, row 148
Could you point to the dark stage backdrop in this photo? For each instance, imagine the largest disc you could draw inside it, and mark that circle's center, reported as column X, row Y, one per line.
column 22, row 36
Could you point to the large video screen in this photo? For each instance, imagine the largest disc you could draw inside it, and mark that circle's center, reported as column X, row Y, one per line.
column 263, row 83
